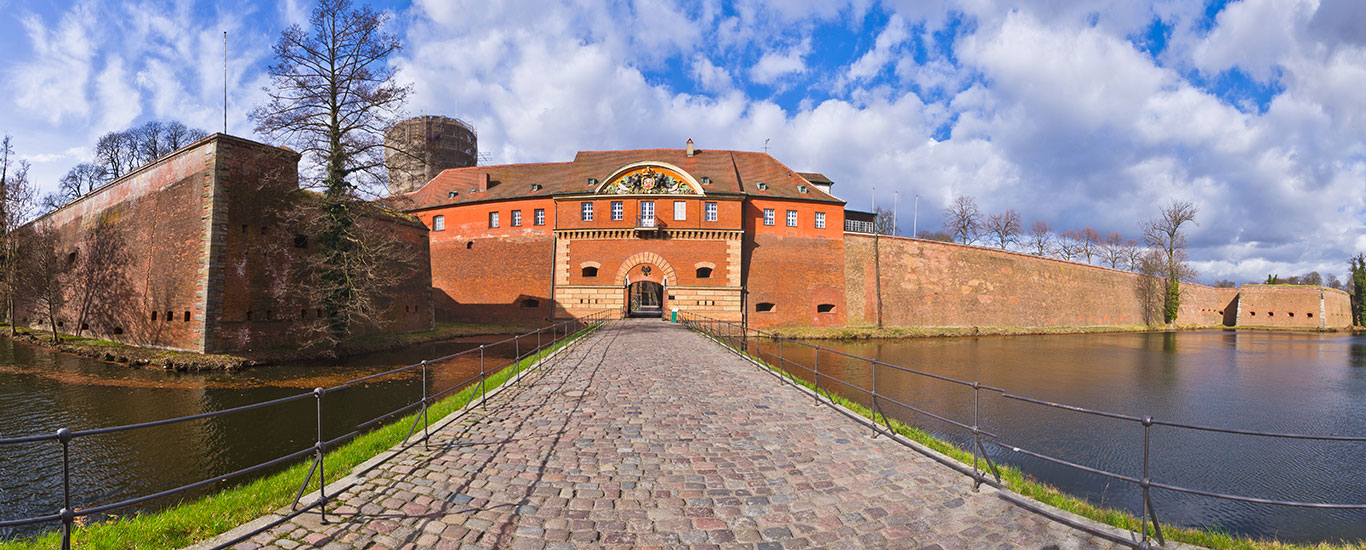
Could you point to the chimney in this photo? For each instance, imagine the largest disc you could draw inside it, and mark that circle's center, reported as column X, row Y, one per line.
column 690, row 151
column 483, row 182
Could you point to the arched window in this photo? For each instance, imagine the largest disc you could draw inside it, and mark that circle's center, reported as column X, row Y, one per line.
column 763, row 306
column 704, row 273
column 825, row 308
column 590, row 271
column 531, row 303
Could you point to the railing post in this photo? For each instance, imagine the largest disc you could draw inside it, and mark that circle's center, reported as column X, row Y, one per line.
column 540, row 353
column 872, row 364
column 322, row 467
column 1146, row 484
column 67, row 513
column 816, row 366
column 976, row 434
column 426, row 434
column 517, row 362
column 483, row 396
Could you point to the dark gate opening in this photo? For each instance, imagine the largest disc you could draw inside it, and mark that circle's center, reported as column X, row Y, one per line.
column 646, row 299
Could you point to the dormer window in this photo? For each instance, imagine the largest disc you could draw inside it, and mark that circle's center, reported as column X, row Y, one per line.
column 761, row 186
column 801, row 188
column 592, row 182
column 452, row 194
column 706, row 180
column 535, row 187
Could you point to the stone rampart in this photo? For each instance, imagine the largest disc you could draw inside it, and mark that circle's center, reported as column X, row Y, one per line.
column 1293, row 306
column 935, row 284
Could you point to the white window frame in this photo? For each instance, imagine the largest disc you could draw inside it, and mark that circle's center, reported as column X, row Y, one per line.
column 516, row 218
column 647, row 210
column 538, row 216
column 680, row 210
column 586, row 211
column 618, row 211
column 820, row 220
column 792, row 218
column 770, row 216
column 438, row 223
column 711, row 211
column 493, row 219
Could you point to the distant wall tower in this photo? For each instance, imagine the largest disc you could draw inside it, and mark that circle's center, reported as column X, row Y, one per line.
column 433, row 143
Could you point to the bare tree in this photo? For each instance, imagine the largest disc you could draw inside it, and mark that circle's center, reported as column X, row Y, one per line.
column 1225, row 283
column 884, row 223
column 1132, row 254
column 1004, row 228
column 1068, row 245
column 332, row 96
column 963, row 219
column 45, row 277
column 178, row 135
column 1088, row 243
column 80, row 181
column 149, row 141
column 16, row 205
column 116, row 152
column 1149, row 287
column 1112, row 250
column 1040, row 238
column 1164, row 234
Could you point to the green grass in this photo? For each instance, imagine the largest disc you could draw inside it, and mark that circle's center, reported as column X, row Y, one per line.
column 206, row 517
column 1024, row 484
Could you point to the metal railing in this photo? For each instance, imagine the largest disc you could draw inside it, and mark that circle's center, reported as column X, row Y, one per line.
column 735, row 336
column 546, row 339
column 647, row 222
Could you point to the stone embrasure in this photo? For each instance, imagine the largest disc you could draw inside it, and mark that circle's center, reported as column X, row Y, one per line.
column 675, row 444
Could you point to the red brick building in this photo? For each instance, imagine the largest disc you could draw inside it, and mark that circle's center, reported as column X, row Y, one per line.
column 731, row 234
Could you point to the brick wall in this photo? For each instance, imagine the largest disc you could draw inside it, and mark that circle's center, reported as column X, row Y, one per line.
column 155, row 217
column 799, row 270
column 1293, row 306
column 927, row 283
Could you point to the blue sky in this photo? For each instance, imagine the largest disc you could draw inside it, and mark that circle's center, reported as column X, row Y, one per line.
column 1077, row 114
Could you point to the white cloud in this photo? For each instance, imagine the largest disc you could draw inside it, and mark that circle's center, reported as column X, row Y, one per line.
column 776, row 64
column 711, row 77
column 52, row 84
column 1254, row 35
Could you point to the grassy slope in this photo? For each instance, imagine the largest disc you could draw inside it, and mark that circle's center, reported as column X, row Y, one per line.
column 1024, row 484
column 200, row 519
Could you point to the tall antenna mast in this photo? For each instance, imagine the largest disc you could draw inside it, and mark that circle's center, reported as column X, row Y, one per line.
column 225, row 82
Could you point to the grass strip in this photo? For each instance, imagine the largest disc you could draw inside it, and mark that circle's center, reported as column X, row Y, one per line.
column 203, row 518
column 1026, row 485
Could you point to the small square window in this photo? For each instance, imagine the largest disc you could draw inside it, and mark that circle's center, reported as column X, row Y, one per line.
column 438, row 223
column 618, row 211
column 539, row 216
column 680, row 210
column 516, row 218
column 792, row 218
column 586, row 211
column 493, row 219
column 770, row 217
column 711, row 211
column 820, row 220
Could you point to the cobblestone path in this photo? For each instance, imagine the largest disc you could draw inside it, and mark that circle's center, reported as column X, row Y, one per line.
column 675, row 444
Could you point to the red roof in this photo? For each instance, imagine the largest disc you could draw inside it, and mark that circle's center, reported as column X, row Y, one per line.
column 730, row 172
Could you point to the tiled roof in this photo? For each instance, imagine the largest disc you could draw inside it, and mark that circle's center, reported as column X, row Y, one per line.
column 730, row 172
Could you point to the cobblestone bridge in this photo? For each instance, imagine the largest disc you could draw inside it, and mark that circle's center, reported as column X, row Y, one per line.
column 648, row 435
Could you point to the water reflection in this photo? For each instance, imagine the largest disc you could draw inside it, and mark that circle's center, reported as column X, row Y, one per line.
column 41, row 391
column 1278, row 382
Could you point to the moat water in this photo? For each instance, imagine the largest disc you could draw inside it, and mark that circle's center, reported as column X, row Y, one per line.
column 1259, row 381
column 41, row 391
column 1278, row 382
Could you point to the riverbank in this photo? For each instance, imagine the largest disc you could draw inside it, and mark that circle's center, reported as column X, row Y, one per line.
column 867, row 333
column 135, row 356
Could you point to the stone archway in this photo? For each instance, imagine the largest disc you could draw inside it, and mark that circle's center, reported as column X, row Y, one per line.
column 666, row 271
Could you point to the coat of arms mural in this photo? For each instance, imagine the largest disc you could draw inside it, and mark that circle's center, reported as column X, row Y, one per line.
column 648, row 182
